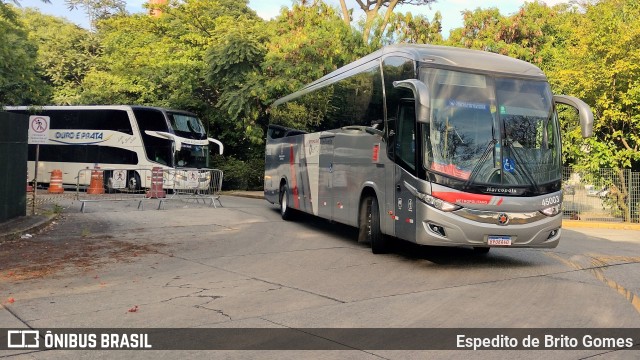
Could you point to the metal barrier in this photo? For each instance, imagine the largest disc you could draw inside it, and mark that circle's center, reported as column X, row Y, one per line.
column 611, row 195
column 145, row 185
column 193, row 184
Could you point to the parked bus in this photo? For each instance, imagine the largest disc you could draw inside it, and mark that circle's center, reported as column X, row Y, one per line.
column 118, row 137
column 433, row 145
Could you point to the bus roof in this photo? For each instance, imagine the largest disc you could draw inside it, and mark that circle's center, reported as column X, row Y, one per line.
column 445, row 56
column 94, row 107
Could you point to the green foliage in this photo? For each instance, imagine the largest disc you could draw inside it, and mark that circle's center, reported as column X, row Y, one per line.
column 240, row 174
column 534, row 34
column 407, row 28
column 20, row 81
column 154, row 67
column 603, row 69
column 234, row 61
column 307, row 43
column 98, row 9
column 66, row 52
column 374, row 23
column 253, row 63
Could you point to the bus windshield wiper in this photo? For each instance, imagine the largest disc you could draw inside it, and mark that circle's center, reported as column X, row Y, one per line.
column 519, row 164
column 483, row 158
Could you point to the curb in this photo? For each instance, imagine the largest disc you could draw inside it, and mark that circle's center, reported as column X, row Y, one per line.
column 578, row 224
column 31, row 228
column 244, row 195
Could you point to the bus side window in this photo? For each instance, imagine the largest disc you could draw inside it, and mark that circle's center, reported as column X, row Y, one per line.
column 391, row 136
column 405, row 144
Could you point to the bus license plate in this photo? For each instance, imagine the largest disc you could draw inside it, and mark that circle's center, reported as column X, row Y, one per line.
column 499, row 240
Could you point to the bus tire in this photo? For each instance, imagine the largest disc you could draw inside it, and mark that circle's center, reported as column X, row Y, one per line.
column 481, row 250
column 133, row 181
column 370, row 226
column 107, row 179
column 285, row 211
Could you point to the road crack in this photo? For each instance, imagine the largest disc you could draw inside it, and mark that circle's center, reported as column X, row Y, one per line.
column 597, row 265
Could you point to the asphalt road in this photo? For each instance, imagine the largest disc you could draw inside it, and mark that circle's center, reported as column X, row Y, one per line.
column 242, row 266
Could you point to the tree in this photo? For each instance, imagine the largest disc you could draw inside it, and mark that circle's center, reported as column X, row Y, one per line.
column 604, row 70
column 66, row 52
column 372, row 10
column 20, row 81
column 98, row 9
column 407, row 28
column 254, row 65
column 536, row 33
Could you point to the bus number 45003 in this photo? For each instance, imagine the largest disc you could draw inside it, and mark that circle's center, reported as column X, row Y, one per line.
column 551, row 200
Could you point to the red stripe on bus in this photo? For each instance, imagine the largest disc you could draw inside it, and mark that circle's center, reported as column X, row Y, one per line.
column 464, row 198
column 294, row 182
column 376, row 152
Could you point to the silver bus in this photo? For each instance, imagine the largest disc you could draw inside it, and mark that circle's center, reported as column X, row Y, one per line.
column 119, row 136
column 429, row 144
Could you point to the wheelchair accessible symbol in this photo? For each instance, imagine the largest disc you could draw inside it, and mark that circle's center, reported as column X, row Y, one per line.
column 509, row 165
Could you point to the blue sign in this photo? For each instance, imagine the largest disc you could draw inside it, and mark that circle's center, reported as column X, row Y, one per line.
column 509, row 165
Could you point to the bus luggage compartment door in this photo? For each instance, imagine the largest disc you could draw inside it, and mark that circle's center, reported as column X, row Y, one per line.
column 405, row 206
column 325, row 183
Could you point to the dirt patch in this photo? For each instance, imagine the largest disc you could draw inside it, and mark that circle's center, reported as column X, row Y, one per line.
column 34, row 258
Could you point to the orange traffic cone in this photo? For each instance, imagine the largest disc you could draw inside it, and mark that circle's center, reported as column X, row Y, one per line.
column 156, row 191
column 55, row 184
column 96, row 186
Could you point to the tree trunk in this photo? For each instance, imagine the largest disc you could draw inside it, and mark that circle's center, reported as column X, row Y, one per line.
column 345, row 13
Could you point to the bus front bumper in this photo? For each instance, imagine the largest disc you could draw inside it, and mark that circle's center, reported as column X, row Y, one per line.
column 451, row 229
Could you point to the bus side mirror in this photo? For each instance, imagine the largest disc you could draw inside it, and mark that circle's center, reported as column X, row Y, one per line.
column 217, row 142
column 584, row 112
column 421, row 95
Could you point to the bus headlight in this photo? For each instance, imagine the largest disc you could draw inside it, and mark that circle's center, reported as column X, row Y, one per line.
column 438, row 203
column 552, row 210
column 431, row 200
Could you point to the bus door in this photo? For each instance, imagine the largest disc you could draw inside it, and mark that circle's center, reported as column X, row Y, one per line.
column 405, row 148
column 325, row 183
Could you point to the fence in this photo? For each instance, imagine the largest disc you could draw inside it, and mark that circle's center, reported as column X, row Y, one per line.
column 13, row 165
column 605, row 195
column 145, row 185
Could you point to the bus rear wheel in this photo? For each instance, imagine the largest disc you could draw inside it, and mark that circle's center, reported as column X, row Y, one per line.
column 285, row 211
column 370, row 226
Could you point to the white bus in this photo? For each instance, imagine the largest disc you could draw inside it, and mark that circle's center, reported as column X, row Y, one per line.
column 118, row 137
column 429, row 144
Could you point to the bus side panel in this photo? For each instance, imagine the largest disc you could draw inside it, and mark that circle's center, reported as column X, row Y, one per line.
column 312, row 153
column 271, row 178
column 325, row 176
column 293, row 160
column 358, row 161
column 326, row 173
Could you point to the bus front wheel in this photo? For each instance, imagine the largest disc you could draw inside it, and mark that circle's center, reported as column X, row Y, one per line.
column 481, row 250
column 285, row 211
column 107, row 180
column 133, row 184
column 370, row 226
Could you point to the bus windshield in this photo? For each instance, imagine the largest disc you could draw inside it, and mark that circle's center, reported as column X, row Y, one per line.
column 186, row 126
column 192, row 156
column 491, row 131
